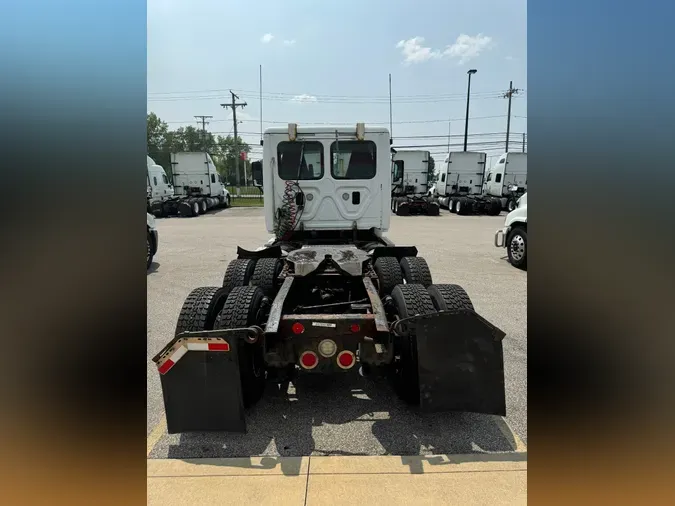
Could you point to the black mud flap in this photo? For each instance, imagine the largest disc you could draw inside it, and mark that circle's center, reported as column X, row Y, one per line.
column 202, row 389
column 461, row 363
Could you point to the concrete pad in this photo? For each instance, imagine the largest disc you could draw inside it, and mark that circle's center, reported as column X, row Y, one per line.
column 418, row 464
column 488, row 487
column 254, row 480
column 274, row 490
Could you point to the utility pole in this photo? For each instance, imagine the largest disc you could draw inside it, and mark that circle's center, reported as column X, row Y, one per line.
column 523, row 142
column 468, row 95
column 512, row 91
column 204, row 123
column 391, row 127
column 234, row 106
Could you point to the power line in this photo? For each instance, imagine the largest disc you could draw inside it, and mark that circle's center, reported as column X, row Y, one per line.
column 341, row 123
column 234, row 106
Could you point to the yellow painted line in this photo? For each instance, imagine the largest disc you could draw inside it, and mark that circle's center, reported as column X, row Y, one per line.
column 156, row 435
column 509, row 433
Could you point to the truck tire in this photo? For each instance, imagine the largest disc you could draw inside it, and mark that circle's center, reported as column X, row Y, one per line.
column 150, row 247
column 511, row 204
column 408, row 300
column 495, row 207
column 389, row 274
column 266, row 275
column 242, row 308
column 416, row 271
column 238, row 273
column 402, row 209
column 203, row 206
column 195, row 207
column 452, row 205
column 200, row 309
column 433, row 209
column 461, row 206
column 185, row 209
column 516, row 247
column 449, row 297
column 226, row 201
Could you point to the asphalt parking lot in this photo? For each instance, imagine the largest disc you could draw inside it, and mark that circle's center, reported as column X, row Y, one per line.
column 350, row 415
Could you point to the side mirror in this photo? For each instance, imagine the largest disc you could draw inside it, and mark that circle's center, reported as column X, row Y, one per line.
column 257, row 173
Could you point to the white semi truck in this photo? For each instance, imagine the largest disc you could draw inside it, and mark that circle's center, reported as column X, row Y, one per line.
column 409, row 183
column 196, row 186
column 329, row 294
column 465, row 186
column 513, row 236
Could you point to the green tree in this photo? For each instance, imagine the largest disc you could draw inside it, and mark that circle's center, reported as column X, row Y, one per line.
column 431, row 176
column 157, row 135
column 225, row 155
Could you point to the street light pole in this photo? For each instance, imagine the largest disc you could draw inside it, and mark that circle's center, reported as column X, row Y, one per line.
column 468, row 94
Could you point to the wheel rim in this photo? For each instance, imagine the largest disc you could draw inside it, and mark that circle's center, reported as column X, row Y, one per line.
column 511, row 205
column 458, row 206
column 195, row 207
column 517, row 247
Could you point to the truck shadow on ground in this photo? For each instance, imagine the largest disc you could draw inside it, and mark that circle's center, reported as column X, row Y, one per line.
column 154, row 266
column 346, row 415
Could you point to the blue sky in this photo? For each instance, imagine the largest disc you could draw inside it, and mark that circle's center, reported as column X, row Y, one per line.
column 328, row 62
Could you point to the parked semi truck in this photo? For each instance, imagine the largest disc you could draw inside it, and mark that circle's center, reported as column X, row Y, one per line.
column 465, row 186
column 195, row 188
column 513, row 236
column 328, row 294
column 409, row 181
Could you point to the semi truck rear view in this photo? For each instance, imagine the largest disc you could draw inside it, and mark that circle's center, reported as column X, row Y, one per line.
column 328, row 294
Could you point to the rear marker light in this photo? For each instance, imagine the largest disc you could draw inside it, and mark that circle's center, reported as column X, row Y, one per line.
column 298, row 328
column 164, row 368
column 309, row 360
column 346, row 359
column 327, row 348
column 219, row 346
column 355, row 327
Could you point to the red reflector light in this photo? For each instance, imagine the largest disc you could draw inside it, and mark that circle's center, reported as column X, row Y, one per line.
column 298, row 328
column 309, row 360
column 219, row 346
column 346, row 359
column 355, row 327
column 165, row 366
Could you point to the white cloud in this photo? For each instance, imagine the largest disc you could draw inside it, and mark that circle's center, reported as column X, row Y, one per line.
column 289, row 42
column 304, row 98
column 414, row 52
column 467, row 47
column 266, row 38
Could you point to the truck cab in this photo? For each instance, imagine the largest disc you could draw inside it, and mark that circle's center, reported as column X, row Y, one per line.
column 507, row 179
column 411, row 170
column 325, row 178
column 513, row 236
column 159, row 187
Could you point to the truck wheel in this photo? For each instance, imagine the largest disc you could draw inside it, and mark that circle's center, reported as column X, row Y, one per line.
column 511, row 204
column 266, row 275
column 433, row 209
column 516, row 246
column 416, row 271
column 195, row 207
column 203, row 207
column 185, row 209
column 449, row 297
column 149, row 249
column 460, row 206
column 243, row 308
column 495, row 207
column 402, row 209
column 389, row 274
column 238, row 273
column 409, row 300
column 200, row 309
column 452, row 205
column 226, row 202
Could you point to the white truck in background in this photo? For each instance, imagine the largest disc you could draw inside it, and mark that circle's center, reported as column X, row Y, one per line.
column 409, row 183
column 195, row 189
column 465, row 186
column 513, row 236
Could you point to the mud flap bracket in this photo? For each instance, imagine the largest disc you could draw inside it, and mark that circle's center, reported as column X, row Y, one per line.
column 460, row 363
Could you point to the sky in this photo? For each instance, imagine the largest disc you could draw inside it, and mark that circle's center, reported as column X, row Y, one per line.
column 328, row 62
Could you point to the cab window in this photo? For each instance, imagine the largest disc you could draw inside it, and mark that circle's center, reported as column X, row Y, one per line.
column 300, row 160
column 398, row 170
column 501, row 161
column 498, row 178
column 353, row 159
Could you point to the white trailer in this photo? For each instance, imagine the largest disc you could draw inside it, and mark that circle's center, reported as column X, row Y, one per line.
column 196, row 186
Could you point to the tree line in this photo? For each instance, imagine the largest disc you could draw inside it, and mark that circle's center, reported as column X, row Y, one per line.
column 162, row 142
